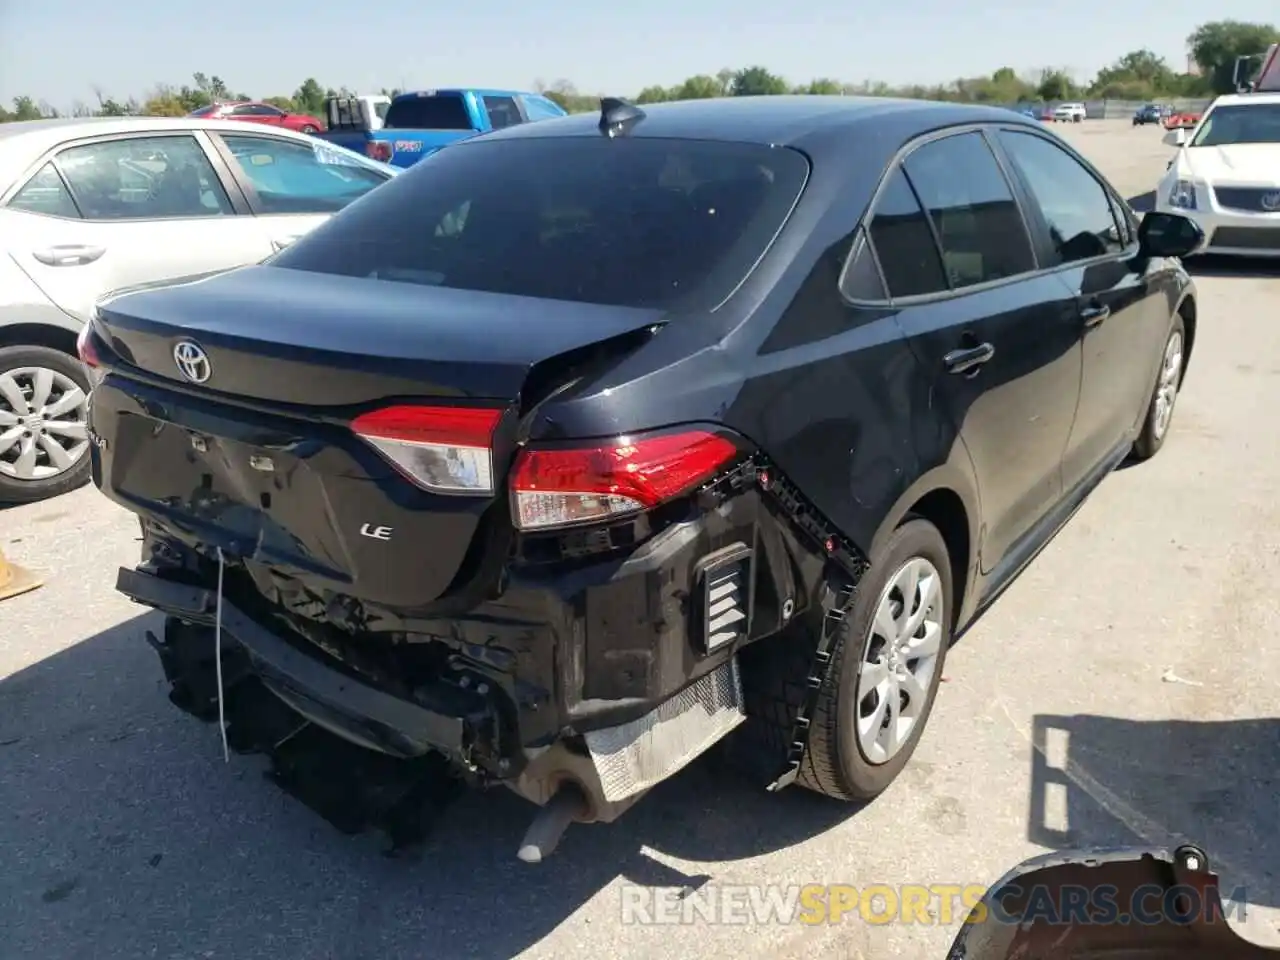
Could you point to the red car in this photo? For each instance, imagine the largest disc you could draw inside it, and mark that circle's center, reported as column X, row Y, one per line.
column 252, row 112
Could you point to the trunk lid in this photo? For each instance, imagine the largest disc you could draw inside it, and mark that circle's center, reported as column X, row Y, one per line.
column 289, row 337
column 261, row 459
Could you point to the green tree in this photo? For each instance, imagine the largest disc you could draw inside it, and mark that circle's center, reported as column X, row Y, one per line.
column 24, row 108
column 822, row 86
column 757, row 81
column 654, row 94
column 309, row 97
column 700, row 87
column 1216, row 46
column 1055, row 85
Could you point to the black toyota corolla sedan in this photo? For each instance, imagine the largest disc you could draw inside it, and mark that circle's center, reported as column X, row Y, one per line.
column 588, row 444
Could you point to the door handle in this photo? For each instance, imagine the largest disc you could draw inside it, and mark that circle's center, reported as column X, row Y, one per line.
column 968, row 359
column 1094, row 315
column 68, row 255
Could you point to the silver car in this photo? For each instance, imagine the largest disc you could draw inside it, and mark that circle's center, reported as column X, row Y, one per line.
column 88, row 206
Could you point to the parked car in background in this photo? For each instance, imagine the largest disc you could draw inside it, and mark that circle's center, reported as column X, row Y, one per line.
column 252, row 112
column 1150, row 113
column 1226, row 175
column 1069, row 113
column 1026, row 110
column 1181, row 120
column 418, row 124
column 703, row 431
column 91, row 205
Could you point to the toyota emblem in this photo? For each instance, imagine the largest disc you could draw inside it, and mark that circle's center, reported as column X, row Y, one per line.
column 193, row 362
column 1271, row 201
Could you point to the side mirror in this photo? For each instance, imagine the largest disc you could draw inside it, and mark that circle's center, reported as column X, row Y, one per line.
column 1168, row 235
column 1176, row 138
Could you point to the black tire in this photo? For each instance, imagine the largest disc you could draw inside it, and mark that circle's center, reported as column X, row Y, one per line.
column 774, row 674
column 1151, row 440
column 310, row 131
column 13, row 490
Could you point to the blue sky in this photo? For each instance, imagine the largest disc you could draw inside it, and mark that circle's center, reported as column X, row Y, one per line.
column 60, row 51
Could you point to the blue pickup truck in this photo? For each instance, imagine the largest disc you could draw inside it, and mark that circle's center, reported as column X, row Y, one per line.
column 418, row 124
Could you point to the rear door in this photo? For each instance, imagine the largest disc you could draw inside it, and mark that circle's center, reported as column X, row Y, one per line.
column 116, row 211
column 293, row 187
column 999, row 337
column 1122, row 316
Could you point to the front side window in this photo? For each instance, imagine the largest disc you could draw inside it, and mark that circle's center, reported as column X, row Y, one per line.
column 642, row 222
column 978, row 223
column 904, row 242
column 45, row 193
column 1076, row 208
column 143, row 178
column 293, row 177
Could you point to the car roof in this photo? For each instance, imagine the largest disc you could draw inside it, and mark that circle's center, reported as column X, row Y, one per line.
column 787, row 120
column 22, row 142
column 450, row 91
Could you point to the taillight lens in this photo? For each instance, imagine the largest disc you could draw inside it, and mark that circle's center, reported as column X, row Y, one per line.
column 378, row 150
column 557, row 487
column 86, row 349
column 441, row 449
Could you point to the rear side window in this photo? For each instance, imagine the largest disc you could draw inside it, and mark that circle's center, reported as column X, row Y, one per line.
column 540, row 108
column 1077, row 210
column 977, row 220
column 443, row 111
column 903, row 241
column 45, row 193
column 502, row 111
column 630, row 222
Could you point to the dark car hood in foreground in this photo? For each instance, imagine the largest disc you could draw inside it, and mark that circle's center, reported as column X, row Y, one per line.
column 307, row 338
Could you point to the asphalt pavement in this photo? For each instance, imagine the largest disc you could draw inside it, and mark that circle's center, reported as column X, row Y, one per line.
column 1138, row 653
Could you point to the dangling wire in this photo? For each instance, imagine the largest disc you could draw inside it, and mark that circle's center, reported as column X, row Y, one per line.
column 217, row 659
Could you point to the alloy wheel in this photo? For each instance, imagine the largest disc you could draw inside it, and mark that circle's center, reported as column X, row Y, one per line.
column 1167, row 385
column 43, row 423
column 899, row 659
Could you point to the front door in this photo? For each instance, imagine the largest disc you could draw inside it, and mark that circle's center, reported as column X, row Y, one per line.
column 1095, row 245
column 117, row 212
column 1000, row 340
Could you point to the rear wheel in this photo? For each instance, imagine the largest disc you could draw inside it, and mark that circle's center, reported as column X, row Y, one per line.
column 44, row 444
column 1155, row 428
column 886, row 664
column 310, row 130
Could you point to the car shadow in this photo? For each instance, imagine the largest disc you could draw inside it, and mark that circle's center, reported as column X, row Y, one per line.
column 1210, row 265
column 125, row 835
column 1103, row 781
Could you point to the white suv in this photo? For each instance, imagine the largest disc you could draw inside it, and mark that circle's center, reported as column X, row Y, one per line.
column 1069, row 113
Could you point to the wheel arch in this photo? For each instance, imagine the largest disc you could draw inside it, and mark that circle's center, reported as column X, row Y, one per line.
column 38, row 335
column 947, row 498
column 1187, row 310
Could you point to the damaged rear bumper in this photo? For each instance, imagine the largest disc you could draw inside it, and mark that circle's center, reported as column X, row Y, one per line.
column 344, row 705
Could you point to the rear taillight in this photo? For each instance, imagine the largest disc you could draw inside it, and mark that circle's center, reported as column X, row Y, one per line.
column 86, row 349
column 378, row 150
column 557, row 487
column 441, row 449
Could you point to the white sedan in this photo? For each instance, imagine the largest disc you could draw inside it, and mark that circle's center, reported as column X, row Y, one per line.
column 1226, row 176
column 88, row 206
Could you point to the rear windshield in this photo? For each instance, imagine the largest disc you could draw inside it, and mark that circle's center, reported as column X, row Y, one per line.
column 630, row 222
column 1246, row 123
column 446, row 111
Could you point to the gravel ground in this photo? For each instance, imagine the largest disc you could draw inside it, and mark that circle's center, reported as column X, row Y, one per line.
column 1143, row 637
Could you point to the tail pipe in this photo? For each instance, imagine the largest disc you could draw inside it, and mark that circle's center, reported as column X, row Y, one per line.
column 550, row 823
